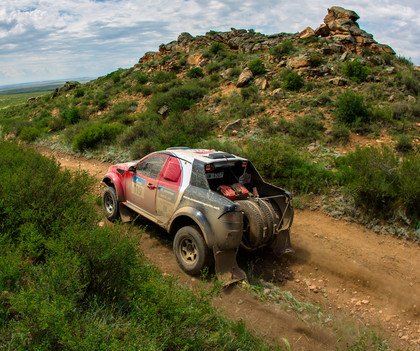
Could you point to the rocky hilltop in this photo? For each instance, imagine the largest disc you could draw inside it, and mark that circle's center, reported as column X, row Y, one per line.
column 340, row 27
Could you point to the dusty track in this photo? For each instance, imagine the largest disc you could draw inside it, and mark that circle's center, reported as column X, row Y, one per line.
column 350, row 271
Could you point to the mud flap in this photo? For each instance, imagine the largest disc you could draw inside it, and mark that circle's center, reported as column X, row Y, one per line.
column 125, row 213
column 281, row 243
column 227, row 269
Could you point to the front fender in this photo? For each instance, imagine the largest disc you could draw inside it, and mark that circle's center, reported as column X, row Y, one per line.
column 196, row 216
column 115, row 180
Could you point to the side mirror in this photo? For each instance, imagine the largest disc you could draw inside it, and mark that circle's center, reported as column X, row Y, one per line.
column 132, row 169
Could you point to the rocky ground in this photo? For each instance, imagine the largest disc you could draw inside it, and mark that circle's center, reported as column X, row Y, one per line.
column 351, row 278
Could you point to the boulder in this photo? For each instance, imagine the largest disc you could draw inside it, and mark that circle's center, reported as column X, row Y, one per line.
column 307, row 33
column 339, row 81
column 244, row 77
column 278, row 94
column 300, row 62
column 337, row 12
column 322, row 31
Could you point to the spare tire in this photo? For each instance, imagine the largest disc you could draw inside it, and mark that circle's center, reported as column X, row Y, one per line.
column 269, row 218
column 254, row 224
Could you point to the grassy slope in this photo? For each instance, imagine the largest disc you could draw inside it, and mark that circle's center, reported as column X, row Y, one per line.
column 295, row 139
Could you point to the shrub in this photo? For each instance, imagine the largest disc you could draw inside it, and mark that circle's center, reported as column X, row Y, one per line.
column 29, row 134
column 283, row 165
column 356, row 71
column 163, row 77
column 71, row 115
column 216, row 48
column 178, row 98
column 316, row 60
column 94, row 134
column 212, row 67
column 339, row 134
column 196, row 72
column 404, row 144
column 387, row 57
column 381, row 185
column 282, row 49
column 140, row 77
column 250, row 93
column 231, row 60
column 409, row 81
column 351, row 109
column 292, row 80
column 307, row 128
column 122, row 109
column 257, row 66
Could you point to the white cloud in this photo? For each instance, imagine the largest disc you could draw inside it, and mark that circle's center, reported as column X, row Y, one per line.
column 51, row 39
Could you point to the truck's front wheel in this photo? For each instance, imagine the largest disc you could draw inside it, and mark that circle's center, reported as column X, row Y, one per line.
column 110, row 203
column 190, row 249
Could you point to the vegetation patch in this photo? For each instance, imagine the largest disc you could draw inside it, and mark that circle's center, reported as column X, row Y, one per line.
column 66, row 283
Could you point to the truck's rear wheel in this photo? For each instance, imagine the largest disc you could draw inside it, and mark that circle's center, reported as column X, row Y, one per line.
column 190, row 249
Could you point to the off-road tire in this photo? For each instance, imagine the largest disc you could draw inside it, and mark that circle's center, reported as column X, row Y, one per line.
column 254, row 224
column 110, row 204
column 190, row 249
column 269, row 219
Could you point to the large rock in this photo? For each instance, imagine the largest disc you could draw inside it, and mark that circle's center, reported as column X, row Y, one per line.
column 322, row 30
column 300, row 62
column 337, row 12
column 307, row 33
column 244, row 77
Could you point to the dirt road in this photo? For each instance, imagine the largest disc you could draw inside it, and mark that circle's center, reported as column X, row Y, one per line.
column 358, row 277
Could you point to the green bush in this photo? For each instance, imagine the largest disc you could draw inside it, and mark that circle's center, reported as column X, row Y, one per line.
column 307, row 129
column 30, row 134
column 94, row 134
column 409, row 80
column 216, row 48
column 163, row 77
column 282, row 49
column 178, row 98
column 405, row 144
column 356, row 71
column 292, row 80
column 339, row 134
column 381, row 185
column 250, row 93
column 257, row 66
column 213, row 67
column 71, row 115
column 120, row 111
column 282, row 165
column 351, row 109
column 316, row 60
column 195, row 72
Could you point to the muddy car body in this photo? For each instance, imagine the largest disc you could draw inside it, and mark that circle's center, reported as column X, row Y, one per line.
column 180, row 189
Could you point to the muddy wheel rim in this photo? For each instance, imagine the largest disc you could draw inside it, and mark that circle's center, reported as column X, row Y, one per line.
column 188, row 250
column 109, row 204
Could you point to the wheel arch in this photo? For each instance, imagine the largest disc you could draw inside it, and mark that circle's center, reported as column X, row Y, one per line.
column 111, row 179
column 192, row 217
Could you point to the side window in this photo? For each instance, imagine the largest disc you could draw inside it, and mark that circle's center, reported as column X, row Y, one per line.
column 151, row 166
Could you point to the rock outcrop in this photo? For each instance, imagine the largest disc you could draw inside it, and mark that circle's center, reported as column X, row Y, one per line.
column 340, row 27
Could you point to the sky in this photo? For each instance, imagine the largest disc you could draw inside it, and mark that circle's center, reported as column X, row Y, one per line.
column 61, row 39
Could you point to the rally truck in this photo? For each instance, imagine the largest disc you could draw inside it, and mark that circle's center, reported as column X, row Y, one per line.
column 210, row 202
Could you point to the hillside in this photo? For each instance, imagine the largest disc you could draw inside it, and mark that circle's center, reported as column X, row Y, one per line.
column 305, row 107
